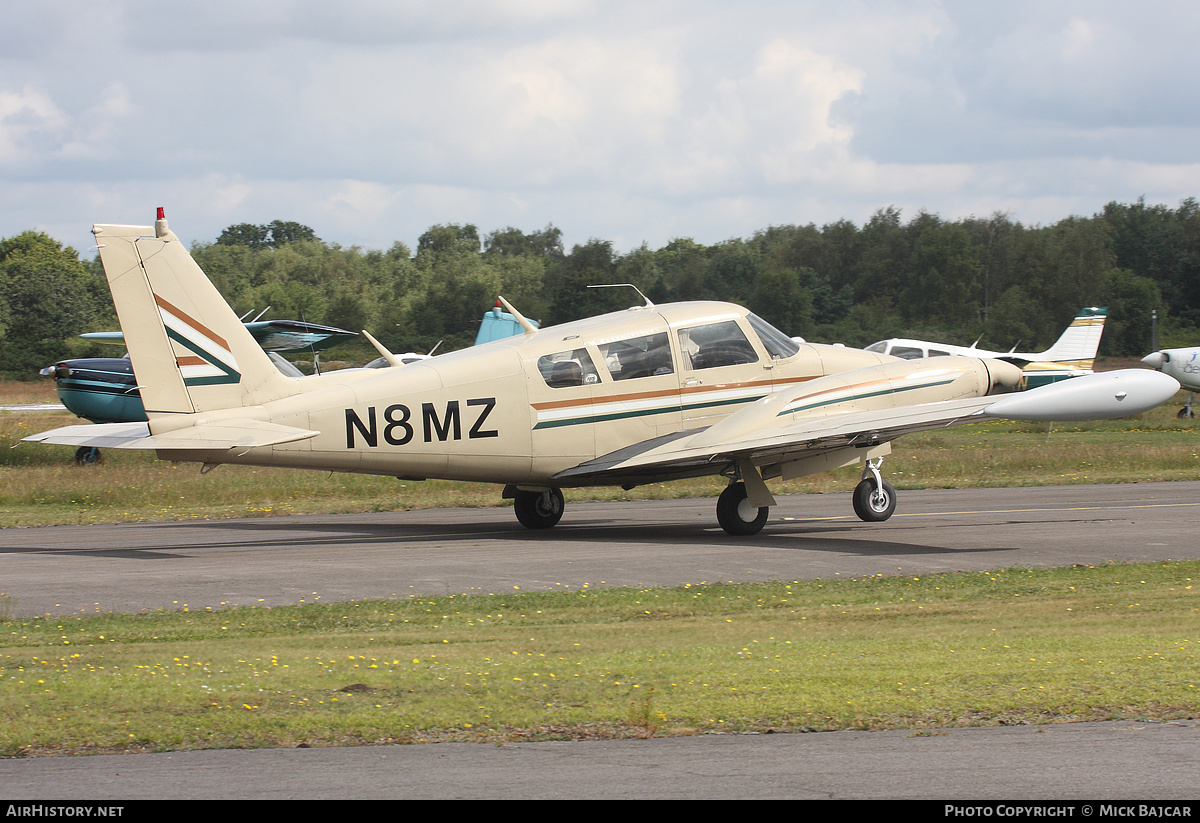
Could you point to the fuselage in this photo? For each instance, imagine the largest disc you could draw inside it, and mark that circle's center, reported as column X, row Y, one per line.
column 1038, row 371
column 522, row 409
column 1182, row 364
column 100, row 389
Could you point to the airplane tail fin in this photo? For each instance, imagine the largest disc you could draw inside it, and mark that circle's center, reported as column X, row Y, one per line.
column 1078, row 344
column 189, row 350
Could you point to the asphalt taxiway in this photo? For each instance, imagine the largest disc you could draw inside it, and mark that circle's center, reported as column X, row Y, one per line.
column 213, row 564
column 281, row 560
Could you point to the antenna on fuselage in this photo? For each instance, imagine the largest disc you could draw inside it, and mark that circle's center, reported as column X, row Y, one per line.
column 630, row 285
column 392, row 360
column 520, row 318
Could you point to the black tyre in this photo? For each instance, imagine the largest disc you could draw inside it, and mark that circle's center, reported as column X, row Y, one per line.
column 737, row 515
column 539, row 510
column 87, row 455
column 874, row 506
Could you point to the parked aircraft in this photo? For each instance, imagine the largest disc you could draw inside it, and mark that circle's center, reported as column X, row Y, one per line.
column 1071, row 356
column 651, row 394
column 1184, row 366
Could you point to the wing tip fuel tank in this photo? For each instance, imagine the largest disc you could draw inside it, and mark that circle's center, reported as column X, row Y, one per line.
column 1099, row 396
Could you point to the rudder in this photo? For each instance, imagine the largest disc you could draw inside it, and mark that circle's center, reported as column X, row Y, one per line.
column 1080, row 341
column 189, row 350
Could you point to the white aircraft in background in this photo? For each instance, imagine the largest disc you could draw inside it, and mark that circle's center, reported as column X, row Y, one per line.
column 1072, row 356
column 646, row 395
column 1184, row 366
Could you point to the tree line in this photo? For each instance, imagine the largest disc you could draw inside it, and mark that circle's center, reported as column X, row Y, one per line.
column 990, row 279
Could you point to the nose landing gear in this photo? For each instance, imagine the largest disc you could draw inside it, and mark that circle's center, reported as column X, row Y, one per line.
column 874, row 497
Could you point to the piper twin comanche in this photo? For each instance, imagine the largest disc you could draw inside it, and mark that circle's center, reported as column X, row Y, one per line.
column 651, row 394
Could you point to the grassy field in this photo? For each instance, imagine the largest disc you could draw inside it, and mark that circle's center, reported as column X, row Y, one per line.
column 1000, row 647
column 922, row 653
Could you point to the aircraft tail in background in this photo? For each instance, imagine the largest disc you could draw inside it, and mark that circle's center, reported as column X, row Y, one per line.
column 1080, row 341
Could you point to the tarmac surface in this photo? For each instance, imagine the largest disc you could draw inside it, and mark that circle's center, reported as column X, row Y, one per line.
column 213, row 564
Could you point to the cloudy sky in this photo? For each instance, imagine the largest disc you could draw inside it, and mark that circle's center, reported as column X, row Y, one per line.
column 371, row 120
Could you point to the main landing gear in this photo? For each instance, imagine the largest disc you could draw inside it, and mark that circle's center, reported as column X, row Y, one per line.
column 737, row 515
column 874, row 501
column 88, row 455
column 538, row 509
column 874, row 497
column 1186, row 412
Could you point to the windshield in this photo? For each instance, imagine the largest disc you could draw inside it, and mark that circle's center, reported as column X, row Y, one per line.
column 777, row 344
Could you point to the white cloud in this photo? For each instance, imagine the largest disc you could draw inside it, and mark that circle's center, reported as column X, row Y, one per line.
column 28, row 120
column 372, row 120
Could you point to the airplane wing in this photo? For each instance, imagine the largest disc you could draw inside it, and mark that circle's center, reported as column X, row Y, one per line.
column 777, row 436
column 112, row 338
column 293, row 335
column 223, row 435
column 272, row 335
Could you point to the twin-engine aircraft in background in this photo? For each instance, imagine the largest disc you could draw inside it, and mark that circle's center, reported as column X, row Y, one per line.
column 1184, row 366
column 1071, row 356
column 651, row 394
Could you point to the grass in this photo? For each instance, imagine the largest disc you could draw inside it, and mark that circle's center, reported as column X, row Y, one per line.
column 999, row 647
column 41, row 485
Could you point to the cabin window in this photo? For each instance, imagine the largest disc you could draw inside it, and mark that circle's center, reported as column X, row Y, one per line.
column 936, row 353
column 907, row 352
column 715, row 344
column 777, row 344
column 568, row 368
column 638, row 357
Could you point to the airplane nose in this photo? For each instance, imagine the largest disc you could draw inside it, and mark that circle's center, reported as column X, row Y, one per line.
column 1005, row 376
column 1155, row 360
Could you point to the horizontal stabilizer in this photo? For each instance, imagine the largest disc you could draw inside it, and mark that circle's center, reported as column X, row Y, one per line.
column 227, row 434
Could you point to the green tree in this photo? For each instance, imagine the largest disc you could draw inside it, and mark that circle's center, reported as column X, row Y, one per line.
column 48, row 295
column 271, row 236
column 1131, row 300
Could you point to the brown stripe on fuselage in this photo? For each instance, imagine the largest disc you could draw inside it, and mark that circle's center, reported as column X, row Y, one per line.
column 650, row 395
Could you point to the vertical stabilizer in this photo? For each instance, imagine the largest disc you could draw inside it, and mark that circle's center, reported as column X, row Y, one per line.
column 1080, row 340
column 189, row 351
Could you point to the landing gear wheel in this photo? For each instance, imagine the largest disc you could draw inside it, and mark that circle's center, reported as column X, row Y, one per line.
column 87, row 455
column 539, row 510
column 737, row 515
column 874, row 504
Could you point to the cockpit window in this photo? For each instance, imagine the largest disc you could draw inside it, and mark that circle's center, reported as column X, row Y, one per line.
column 880, row 347
column 715, row 344
column 907, row 352
column 638, row 357
column 777, row 344
column 567, row 368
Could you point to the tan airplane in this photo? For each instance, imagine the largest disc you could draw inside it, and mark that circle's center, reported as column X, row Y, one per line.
column 651, row 394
